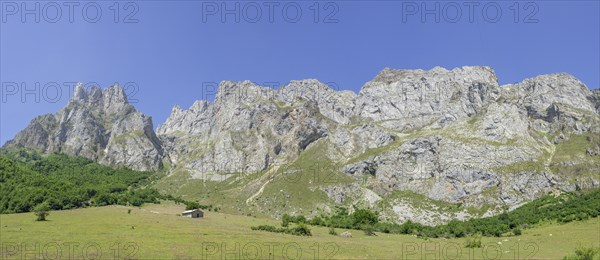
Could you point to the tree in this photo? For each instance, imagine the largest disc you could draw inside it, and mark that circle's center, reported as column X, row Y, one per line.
column 192, row 205
column 301, row 230
column 285, row 220
column 364, row 216
column 42, row 211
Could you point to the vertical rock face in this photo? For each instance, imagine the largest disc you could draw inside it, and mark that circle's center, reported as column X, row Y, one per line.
column 196, row 120
column 247, row 129
column 595, row 98
column 335, row 105
column 100, row 125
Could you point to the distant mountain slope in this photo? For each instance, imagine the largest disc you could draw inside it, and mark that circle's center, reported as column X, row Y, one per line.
column 411, row 143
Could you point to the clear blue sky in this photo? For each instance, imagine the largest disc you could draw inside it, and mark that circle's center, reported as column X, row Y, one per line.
column 171, row 50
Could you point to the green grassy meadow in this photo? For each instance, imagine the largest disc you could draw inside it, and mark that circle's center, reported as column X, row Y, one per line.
column 154, row 231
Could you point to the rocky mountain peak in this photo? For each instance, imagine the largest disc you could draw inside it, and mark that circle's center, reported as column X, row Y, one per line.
column 83, row 96
column 175, row 110
column 80, row 94
column 308, row 89
column 197, row 119
column 115, row 94
column 475, row 73
column 95, row 96
column 412, row 99
column 115, row 101
column 335, row 105
column 100, row 125
column 246, row 92
column 537, row 94
column 200, row 105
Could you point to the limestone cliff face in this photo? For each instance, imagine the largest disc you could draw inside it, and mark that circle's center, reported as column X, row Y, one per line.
column 595, row 99
column 411, row 99
column 454, row 136
column 100, row 125
column 247, row 129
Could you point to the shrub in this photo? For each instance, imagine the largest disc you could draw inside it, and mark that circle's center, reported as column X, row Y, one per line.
column 268, row 228
column 317, row 221
column 473, row 242
column 369, row 231
column 517, row 231
column 301, row 230
column 332, row 231
column 364, row 217
column 299, row 219
column 42, row 211
column 585, row 253
column 192, row 205
column 285, row 220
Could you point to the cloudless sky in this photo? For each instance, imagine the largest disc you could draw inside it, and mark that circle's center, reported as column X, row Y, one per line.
column 170, row 51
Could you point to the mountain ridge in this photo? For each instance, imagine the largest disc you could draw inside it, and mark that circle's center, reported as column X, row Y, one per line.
column 466, row 139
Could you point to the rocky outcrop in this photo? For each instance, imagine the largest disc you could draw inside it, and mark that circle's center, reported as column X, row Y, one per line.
column 347, row 142
column 496, row 153
column 595, row 98
column 100, row 125
column 248, row 128
column 335, row 105
column 555, row 101
column 537, row 94
column 411, row 99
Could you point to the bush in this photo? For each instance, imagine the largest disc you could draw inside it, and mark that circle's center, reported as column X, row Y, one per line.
column 317, row 221
column 266, row 228
column 285, row 220
column 332, row 231
column 496, row 233
column 192, row 205
column 473, row 242
column 585, row 253
column 364, row 217
column 517, row 231
column 301, row 230
column 42, row 211
column 299, row 219
column 369, row 231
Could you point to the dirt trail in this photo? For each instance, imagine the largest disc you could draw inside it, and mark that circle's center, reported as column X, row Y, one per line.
column 262, row 188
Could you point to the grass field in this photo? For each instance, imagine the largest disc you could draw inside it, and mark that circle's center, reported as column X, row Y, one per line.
column 156, row 232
